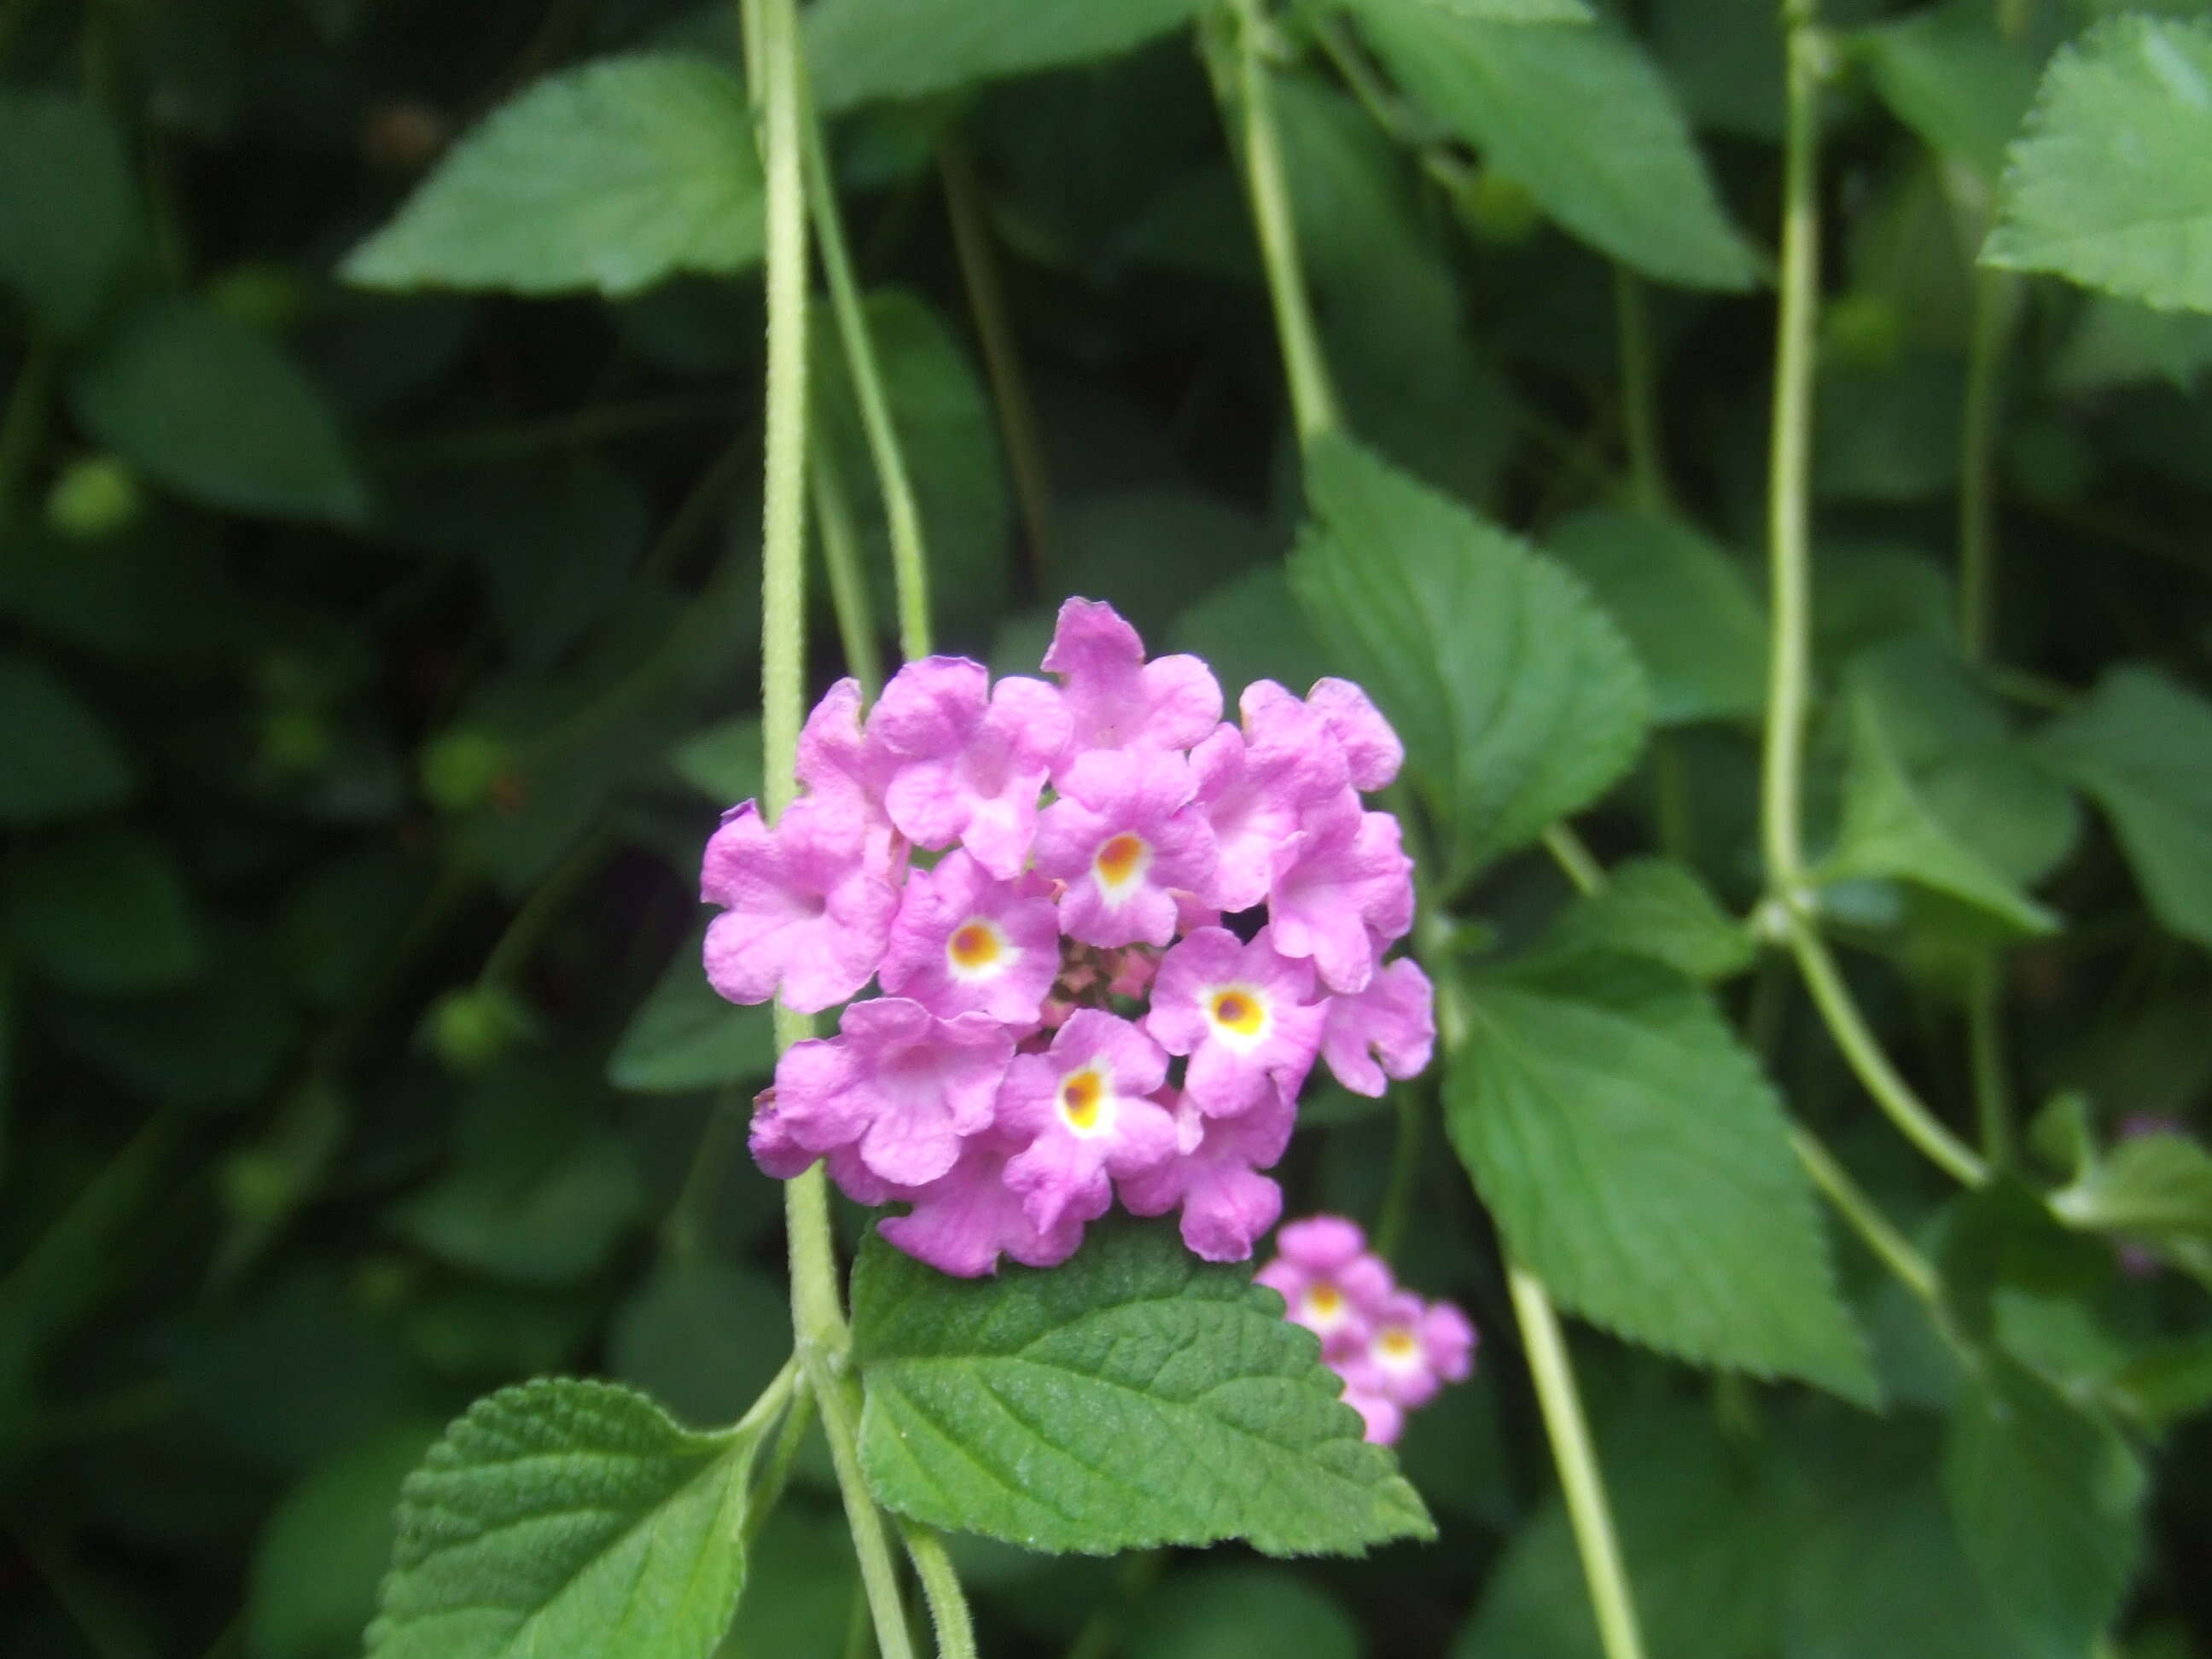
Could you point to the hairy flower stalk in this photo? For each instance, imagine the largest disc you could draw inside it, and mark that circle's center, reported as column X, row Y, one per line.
column 1114, row 933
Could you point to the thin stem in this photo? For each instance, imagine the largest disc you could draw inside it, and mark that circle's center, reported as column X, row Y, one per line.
column 994, row 329
column 684, row 1233
column 1880, row 1077
column 818, row 1315
column 767, row 1492
column 1313, row 404
column 1894, row 1251
column 511, row 950
column 772, row 1401
column 23, row 426
column 940, row 1587
column 1397, row 1211
column 1580, row 863
column 1977, row 433
column 1571, row 1450
column 1639, row 394
column 1790, row 462
column 1985, row 1058
column 849, row 583
column 693, row 512
column 909, row 560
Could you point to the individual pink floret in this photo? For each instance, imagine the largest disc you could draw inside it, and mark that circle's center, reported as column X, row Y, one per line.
column 1215, row 1178
column 1389, row 1030
column 1412, row 1350
column 1254, row 784
column 778, row 1154
column 962, row 943
column 1330, row 1283
column 1372, row 748
column 1244, row 1014
column 1341, row 889
column 1116, row 699
column 1122, row 836
column 962, row 1222
column 837, row 762
column 1085, row 1107
column 971, row 759
column 807, row 905
column 896, row 1081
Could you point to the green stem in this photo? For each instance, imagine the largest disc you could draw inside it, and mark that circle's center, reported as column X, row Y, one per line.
column 1985, row 1057
column 849, row 584
column 1890, row 1246
column 511, row 950
column 1992, row 326
column 1840, row 1011
column 693, row 512
column 767, row 1492
column 772, row 1399
column 684, row 1234
column 1579, row 1479
column 1397, row 1211
column 940, row 1587
column 818, row 1315
column 1790, row 463
column 909, row 561
column 1579, row 863
column 986, row 301
column 1313, row 403
column 1639, row 394
column 23, row 426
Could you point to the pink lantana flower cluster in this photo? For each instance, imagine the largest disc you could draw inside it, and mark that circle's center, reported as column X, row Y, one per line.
column 1064, row 1015
column 1394, row 1350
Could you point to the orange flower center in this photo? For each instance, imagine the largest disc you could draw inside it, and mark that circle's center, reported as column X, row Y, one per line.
column 1324, row 1300
column 1081, row 1097
column 1119, row 859
column 1397, row 1343
column 973, row 945
column 1239, row 1011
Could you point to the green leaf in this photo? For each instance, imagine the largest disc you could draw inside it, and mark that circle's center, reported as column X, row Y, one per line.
column 684, row 1036
column 1686, row 605
column 2166, row 1384
column 313, row 1583
column 2118, row 343
column 950, row 440
column 2155, row 1187
column 703, row 1335
column 103, row 910
column 568, row 1517
column 1132, row 1397
column 722, row 762
column 62, row 759
column 1518, row 700
column 1947, row 73
column 1639, row 1162
column 858, row 50
column 2046, row 1499
column 1506, row 11
column 2111, row 184
column 1581, row 119
column 212, row 408
column 611, row 177
column 69, row 209
column 1889, row 833
column 1243, row 1611
column 1250, row 628
column 1660, row 910
column 2142, row 748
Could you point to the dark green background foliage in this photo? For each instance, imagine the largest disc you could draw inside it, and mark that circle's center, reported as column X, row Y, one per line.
column 379, row 638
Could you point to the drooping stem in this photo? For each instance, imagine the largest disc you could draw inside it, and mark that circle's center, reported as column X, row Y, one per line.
column 1839, row 1010
column 1397, row 1212
column 1313, row 403
column 1985, row 1057
column 941, row 1588
column 1002, row 359
column 1639, row 394
column 848, row 583
column 902, row 516
column 817, row 1315
column 1790, row 463
column 1977, row 433
column 1580, row 1481
column 1890, row 1246
column 1574, row 859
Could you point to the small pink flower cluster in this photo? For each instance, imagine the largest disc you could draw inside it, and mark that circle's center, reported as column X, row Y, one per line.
column 1394, row 1350
column 1043, row 976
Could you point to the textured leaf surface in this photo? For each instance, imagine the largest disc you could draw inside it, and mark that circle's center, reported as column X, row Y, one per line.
column 2046, row 1500
column 1583, row 120
column 1685, row 606
column 2110, row 185
column 1639, row 1163
column 62, row 759
column 2142, row 747
column 857, row 49
column 567, row 1517
column 1517, row 697
column 610, row 177
column 212, row 408
column 1133, row 1396
column 1659, row 909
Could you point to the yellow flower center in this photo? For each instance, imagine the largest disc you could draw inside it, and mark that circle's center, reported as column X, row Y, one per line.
column 1323, row 1300
column 1119, row 858
column 1080, row 1098
column 973, row 945
column 1397, row 1343
column 1239, row 1012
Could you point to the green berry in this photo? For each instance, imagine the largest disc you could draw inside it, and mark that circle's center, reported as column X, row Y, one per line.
column 1862, row 330
column 471, row 1028
column 93, row 497
column 260, row 295
column 1498, row 209
column 461, row 769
